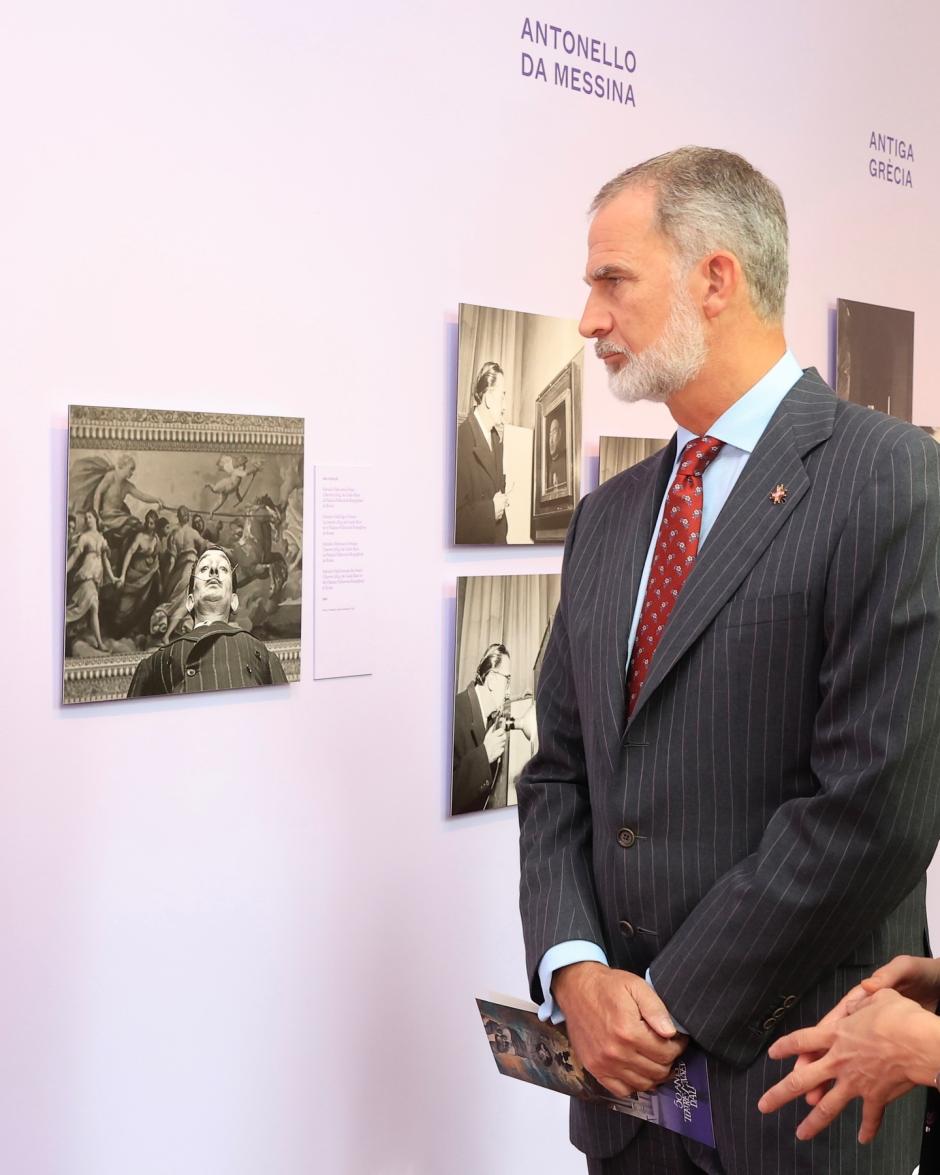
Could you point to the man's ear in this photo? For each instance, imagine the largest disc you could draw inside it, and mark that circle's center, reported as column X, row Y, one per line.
column 722, row 276
column 233, row 606
column 190, row 602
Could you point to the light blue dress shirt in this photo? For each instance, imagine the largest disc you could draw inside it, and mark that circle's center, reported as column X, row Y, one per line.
column 741, row 427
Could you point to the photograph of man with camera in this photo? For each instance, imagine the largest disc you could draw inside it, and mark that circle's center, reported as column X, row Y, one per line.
column 502, row 624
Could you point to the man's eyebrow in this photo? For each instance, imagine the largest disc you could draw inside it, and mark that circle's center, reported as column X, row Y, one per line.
column 612, row 269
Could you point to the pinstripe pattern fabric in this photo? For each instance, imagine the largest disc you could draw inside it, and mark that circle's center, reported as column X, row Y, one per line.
column 214, row 657
column 658, row 1152
column 778, row 772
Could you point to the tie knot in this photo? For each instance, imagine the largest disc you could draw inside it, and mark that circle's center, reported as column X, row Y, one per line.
column 698, row 454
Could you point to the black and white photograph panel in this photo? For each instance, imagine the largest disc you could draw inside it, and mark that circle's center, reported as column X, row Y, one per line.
column 503, row 623
column 875, row 357
column 183, row 553
column 518, row 445
column 620, row 453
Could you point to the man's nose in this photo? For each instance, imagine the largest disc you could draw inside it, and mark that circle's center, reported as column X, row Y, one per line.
column 595, row 321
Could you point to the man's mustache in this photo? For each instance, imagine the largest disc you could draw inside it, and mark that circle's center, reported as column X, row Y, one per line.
column 602, row 349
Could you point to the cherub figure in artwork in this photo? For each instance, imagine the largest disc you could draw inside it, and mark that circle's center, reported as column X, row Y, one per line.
column 234, row 471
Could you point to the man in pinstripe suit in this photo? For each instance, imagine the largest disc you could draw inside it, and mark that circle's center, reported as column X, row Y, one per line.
column 727, row 826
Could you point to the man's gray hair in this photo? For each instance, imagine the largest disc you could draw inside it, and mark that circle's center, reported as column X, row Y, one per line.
column 707, row 199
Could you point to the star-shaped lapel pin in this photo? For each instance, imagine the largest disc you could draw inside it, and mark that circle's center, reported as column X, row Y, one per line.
column 778, row 495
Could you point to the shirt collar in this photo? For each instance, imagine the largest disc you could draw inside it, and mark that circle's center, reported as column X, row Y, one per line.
column 196, row 634
column 483, row 420
column 743, row 424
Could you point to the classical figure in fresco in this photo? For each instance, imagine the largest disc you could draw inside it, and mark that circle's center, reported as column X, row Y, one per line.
column 184, row 544
column 91, row 566
column 138, row 585
column 96, row 484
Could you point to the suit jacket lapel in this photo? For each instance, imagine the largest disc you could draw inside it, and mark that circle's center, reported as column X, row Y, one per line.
column 477, row 720
column 627, row 539
column 748, row 520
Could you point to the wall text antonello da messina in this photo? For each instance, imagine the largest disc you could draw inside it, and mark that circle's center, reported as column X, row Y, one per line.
column 567, row 49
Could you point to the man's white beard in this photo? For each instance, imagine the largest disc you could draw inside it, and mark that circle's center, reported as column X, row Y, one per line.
column 667, row 365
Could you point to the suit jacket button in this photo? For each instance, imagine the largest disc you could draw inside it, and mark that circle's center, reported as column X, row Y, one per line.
column 627, row 929
column 769, row 1023
column 789, row 1001
column 626, row 838
column 190, row 672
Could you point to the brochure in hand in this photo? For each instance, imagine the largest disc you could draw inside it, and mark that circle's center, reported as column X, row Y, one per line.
column 540, row 1053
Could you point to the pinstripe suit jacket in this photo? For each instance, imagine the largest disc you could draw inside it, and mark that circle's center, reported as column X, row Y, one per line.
column 778, row 775
column 213, row 657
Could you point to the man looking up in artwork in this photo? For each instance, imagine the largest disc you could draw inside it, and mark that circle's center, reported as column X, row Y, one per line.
column 216, row 654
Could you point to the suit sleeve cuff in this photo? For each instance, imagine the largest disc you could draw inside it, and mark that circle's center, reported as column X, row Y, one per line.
column 561, row 955
column 678, row 1027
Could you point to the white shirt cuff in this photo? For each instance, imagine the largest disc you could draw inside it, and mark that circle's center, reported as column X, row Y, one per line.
column 563, row 955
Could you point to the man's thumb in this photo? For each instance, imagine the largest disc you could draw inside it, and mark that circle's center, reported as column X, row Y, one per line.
column 653, row 1010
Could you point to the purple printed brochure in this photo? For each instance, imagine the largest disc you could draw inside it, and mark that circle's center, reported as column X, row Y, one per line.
column 540, row 1053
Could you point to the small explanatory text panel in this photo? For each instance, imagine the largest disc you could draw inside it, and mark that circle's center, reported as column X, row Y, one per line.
column 343, row 621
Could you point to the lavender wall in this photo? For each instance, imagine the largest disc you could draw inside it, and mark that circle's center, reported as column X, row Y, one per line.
column 239, row 934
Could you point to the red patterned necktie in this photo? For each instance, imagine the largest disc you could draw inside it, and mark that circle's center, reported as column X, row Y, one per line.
column 673, row 557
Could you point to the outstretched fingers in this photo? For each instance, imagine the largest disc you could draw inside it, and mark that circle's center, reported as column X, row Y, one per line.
column 824, row 1113
column 804, row 1040
column 796, row 1083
